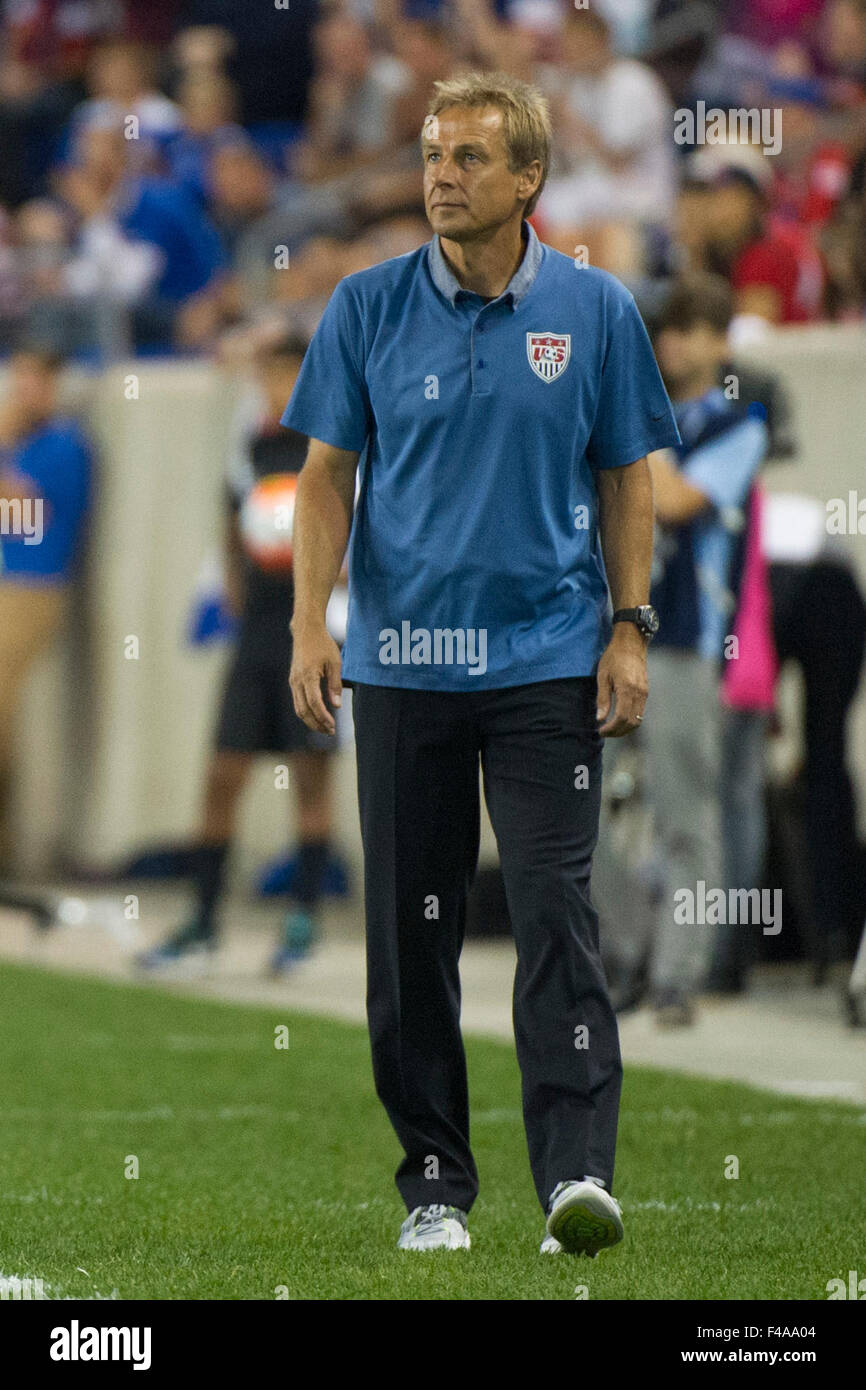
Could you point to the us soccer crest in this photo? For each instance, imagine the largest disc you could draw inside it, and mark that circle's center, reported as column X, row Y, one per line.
column 548, row 353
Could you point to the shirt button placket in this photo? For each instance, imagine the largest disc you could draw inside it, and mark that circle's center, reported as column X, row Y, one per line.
column 478, row 363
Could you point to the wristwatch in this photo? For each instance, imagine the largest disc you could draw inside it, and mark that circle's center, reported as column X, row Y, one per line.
column 645, row 619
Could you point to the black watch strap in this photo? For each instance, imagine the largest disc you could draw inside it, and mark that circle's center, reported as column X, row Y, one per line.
column 627, row 615
column 645, row 619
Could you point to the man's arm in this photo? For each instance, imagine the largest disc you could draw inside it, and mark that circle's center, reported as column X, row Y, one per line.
column 323, row 518
column 625, row 498
column 676, row 499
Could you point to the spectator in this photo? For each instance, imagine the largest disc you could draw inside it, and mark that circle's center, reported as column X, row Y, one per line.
column 489, row 42
column 121, row 78
column 426, row 51
column 699, row 508
column 209, row 106
column 843, row 38
column 352, row 102
column 775, row 274
column 11, row 290
column 141, row 244
column 267, row 51
column 615, row 173
column 813, row 575
column 45, row 467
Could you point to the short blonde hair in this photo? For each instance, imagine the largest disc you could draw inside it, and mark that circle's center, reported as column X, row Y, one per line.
column 525, row 111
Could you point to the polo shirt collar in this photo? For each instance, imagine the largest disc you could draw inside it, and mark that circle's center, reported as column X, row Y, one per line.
column 519, row 285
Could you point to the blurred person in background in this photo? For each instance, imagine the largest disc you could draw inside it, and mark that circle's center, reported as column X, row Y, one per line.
column 265, row 50
column 142, row 248
column 209, row 104
column 775, row 275
column 819, row 622
column 499, row 44
column 843, row 39
column 46, row 47
column 357, row 158
column 843, row 242
column 122, row 84
column 45, row 486
column 700, row 490
column 616, row 171
column 681, row 38
column 256, row 714
column 12, row 296
column 352, row 101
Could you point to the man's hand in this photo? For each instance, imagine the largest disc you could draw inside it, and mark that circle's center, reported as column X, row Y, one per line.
column 315, row 655
column 622, row 677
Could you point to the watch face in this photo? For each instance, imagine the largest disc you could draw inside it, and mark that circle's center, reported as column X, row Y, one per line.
column 649, row 618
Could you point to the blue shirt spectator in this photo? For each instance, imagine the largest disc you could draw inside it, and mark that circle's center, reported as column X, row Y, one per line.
column 56, row 458
column 155, row 211
column 721, row 451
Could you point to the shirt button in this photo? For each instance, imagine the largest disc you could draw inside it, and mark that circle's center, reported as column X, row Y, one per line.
column 480, row 362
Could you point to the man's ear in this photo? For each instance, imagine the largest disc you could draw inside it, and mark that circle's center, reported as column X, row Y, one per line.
column 530, row 178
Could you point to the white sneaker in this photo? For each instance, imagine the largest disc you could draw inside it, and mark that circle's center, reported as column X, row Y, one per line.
column 584, row 1218
column 434, row 1228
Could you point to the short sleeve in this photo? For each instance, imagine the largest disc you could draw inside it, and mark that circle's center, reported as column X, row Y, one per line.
column 330, row 399
column 633, row 415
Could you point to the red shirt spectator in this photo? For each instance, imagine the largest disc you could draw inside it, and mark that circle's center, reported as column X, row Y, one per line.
column 783, row 260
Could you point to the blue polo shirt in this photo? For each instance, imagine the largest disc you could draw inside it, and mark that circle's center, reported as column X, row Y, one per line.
column 474, row 558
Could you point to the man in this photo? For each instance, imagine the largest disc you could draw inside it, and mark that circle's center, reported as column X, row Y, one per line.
column 504, row 401
column 701, row 497
column 256, row 714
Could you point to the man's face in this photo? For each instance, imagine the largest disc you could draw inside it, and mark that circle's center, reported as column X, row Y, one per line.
column 33, row 386
column 103, row 154
column 733, row 210
column 685, row 354
column 468, row 186
column 584, row 46
column 277, row 376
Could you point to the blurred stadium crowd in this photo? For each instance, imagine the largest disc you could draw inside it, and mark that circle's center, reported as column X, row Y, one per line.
column 194, row 176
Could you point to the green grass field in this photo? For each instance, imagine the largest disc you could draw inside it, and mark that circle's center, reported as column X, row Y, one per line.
column 260, row 1168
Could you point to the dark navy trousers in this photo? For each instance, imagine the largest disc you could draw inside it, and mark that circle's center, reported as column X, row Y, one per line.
column 540, row 753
